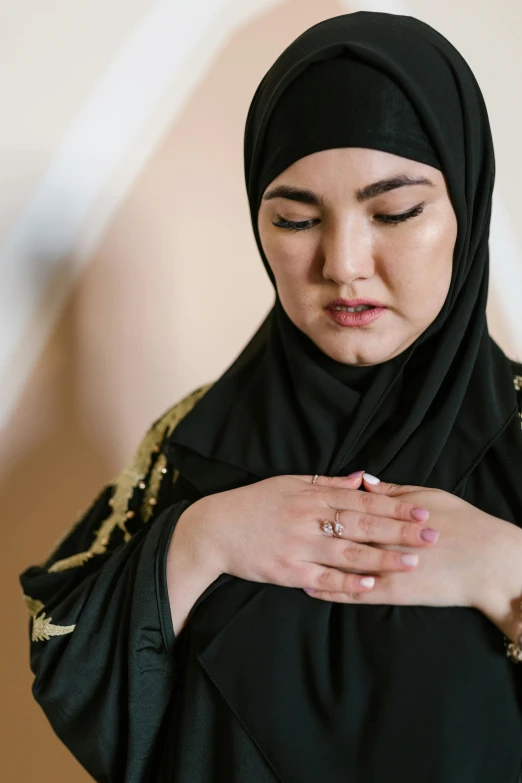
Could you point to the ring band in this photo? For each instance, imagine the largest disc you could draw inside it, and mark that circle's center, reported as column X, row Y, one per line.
column 338, row 528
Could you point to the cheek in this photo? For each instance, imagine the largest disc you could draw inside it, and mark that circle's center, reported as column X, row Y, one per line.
column 289, row 255
column 421, row 270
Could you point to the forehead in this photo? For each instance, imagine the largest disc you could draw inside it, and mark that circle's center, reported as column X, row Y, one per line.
column 350, row 171
column 352, row 163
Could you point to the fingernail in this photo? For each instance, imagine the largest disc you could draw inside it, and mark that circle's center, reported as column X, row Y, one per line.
column 308, row 591
column 357, row 474
column 420, row 514
column 429, row 534
column 409, row 560
column 371, row 479
column 367, row 581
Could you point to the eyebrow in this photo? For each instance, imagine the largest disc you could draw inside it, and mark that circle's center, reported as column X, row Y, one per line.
column 362, row 194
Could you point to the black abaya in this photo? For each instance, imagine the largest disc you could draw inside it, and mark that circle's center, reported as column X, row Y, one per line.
column 265, row 683
column 220, row 701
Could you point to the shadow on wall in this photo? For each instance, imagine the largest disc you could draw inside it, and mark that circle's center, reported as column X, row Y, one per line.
column 127, row 345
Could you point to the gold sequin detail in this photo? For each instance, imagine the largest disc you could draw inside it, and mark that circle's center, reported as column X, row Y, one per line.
column 152, row 492
column 517, row 380
column 43, row 629
column 133, row 476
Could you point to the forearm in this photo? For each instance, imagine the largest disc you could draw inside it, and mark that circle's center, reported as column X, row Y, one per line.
column 189, row 569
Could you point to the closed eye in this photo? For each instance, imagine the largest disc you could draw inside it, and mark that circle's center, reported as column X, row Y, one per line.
column 388, row 220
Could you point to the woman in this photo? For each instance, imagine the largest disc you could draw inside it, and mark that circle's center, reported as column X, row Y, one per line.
column 174, row 634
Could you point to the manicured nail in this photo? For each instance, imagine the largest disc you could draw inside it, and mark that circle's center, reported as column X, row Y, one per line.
column 357, row 474
column 367, row 581
column 409, row 560
column 308, row 591
column 371, row 479
column 420, row 514
column 429, row 534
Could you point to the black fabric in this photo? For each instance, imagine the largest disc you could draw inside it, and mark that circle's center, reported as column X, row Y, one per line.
column 345, row 692
column 136, row 704
column 264, row 683
column 340, row 102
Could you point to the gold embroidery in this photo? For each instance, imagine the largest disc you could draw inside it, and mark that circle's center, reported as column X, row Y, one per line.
column 43, row 629
column 152, row 492
column 173, row 417
column 33, row 605
column 133, row 476
column 75, row 560
column 517, row 380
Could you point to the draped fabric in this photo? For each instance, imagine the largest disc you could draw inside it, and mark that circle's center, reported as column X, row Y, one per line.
column 264, row 683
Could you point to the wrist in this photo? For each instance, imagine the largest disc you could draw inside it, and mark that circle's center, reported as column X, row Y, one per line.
column 191, row 542
column 501, row 589
column 189, row 568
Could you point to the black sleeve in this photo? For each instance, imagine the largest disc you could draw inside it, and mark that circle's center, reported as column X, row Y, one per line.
column 101, row 636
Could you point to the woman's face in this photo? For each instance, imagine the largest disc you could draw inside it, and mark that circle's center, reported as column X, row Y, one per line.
column 326, row 236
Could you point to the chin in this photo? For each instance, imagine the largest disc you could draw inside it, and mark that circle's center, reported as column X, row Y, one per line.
column 357, row 356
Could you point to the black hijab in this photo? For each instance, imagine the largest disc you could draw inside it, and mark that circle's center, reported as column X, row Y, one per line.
column 427, row 416
column 368, row 693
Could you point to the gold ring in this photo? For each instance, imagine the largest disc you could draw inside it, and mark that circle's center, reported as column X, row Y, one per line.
column 338, row 529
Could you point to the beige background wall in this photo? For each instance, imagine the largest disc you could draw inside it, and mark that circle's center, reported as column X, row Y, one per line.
column 128, row 271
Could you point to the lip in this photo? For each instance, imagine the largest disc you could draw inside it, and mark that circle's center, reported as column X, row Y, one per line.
column 366, row 317
column 352, row 303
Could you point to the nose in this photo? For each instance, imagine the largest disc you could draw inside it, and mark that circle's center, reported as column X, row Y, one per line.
column 347, row 253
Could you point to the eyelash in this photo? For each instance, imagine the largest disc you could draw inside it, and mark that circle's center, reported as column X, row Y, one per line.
column 388, row 220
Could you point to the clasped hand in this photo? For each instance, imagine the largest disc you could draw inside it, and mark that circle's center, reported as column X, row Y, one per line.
column 271, row 531
column 467, row 560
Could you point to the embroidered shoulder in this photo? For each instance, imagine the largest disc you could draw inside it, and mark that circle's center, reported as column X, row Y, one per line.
column 137, row 475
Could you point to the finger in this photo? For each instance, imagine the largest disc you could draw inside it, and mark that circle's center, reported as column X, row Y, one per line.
column 323, row 578
column 371, row 529
column 361, row 558
column 374, row 484
column 353, row 481
column 374, row 503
